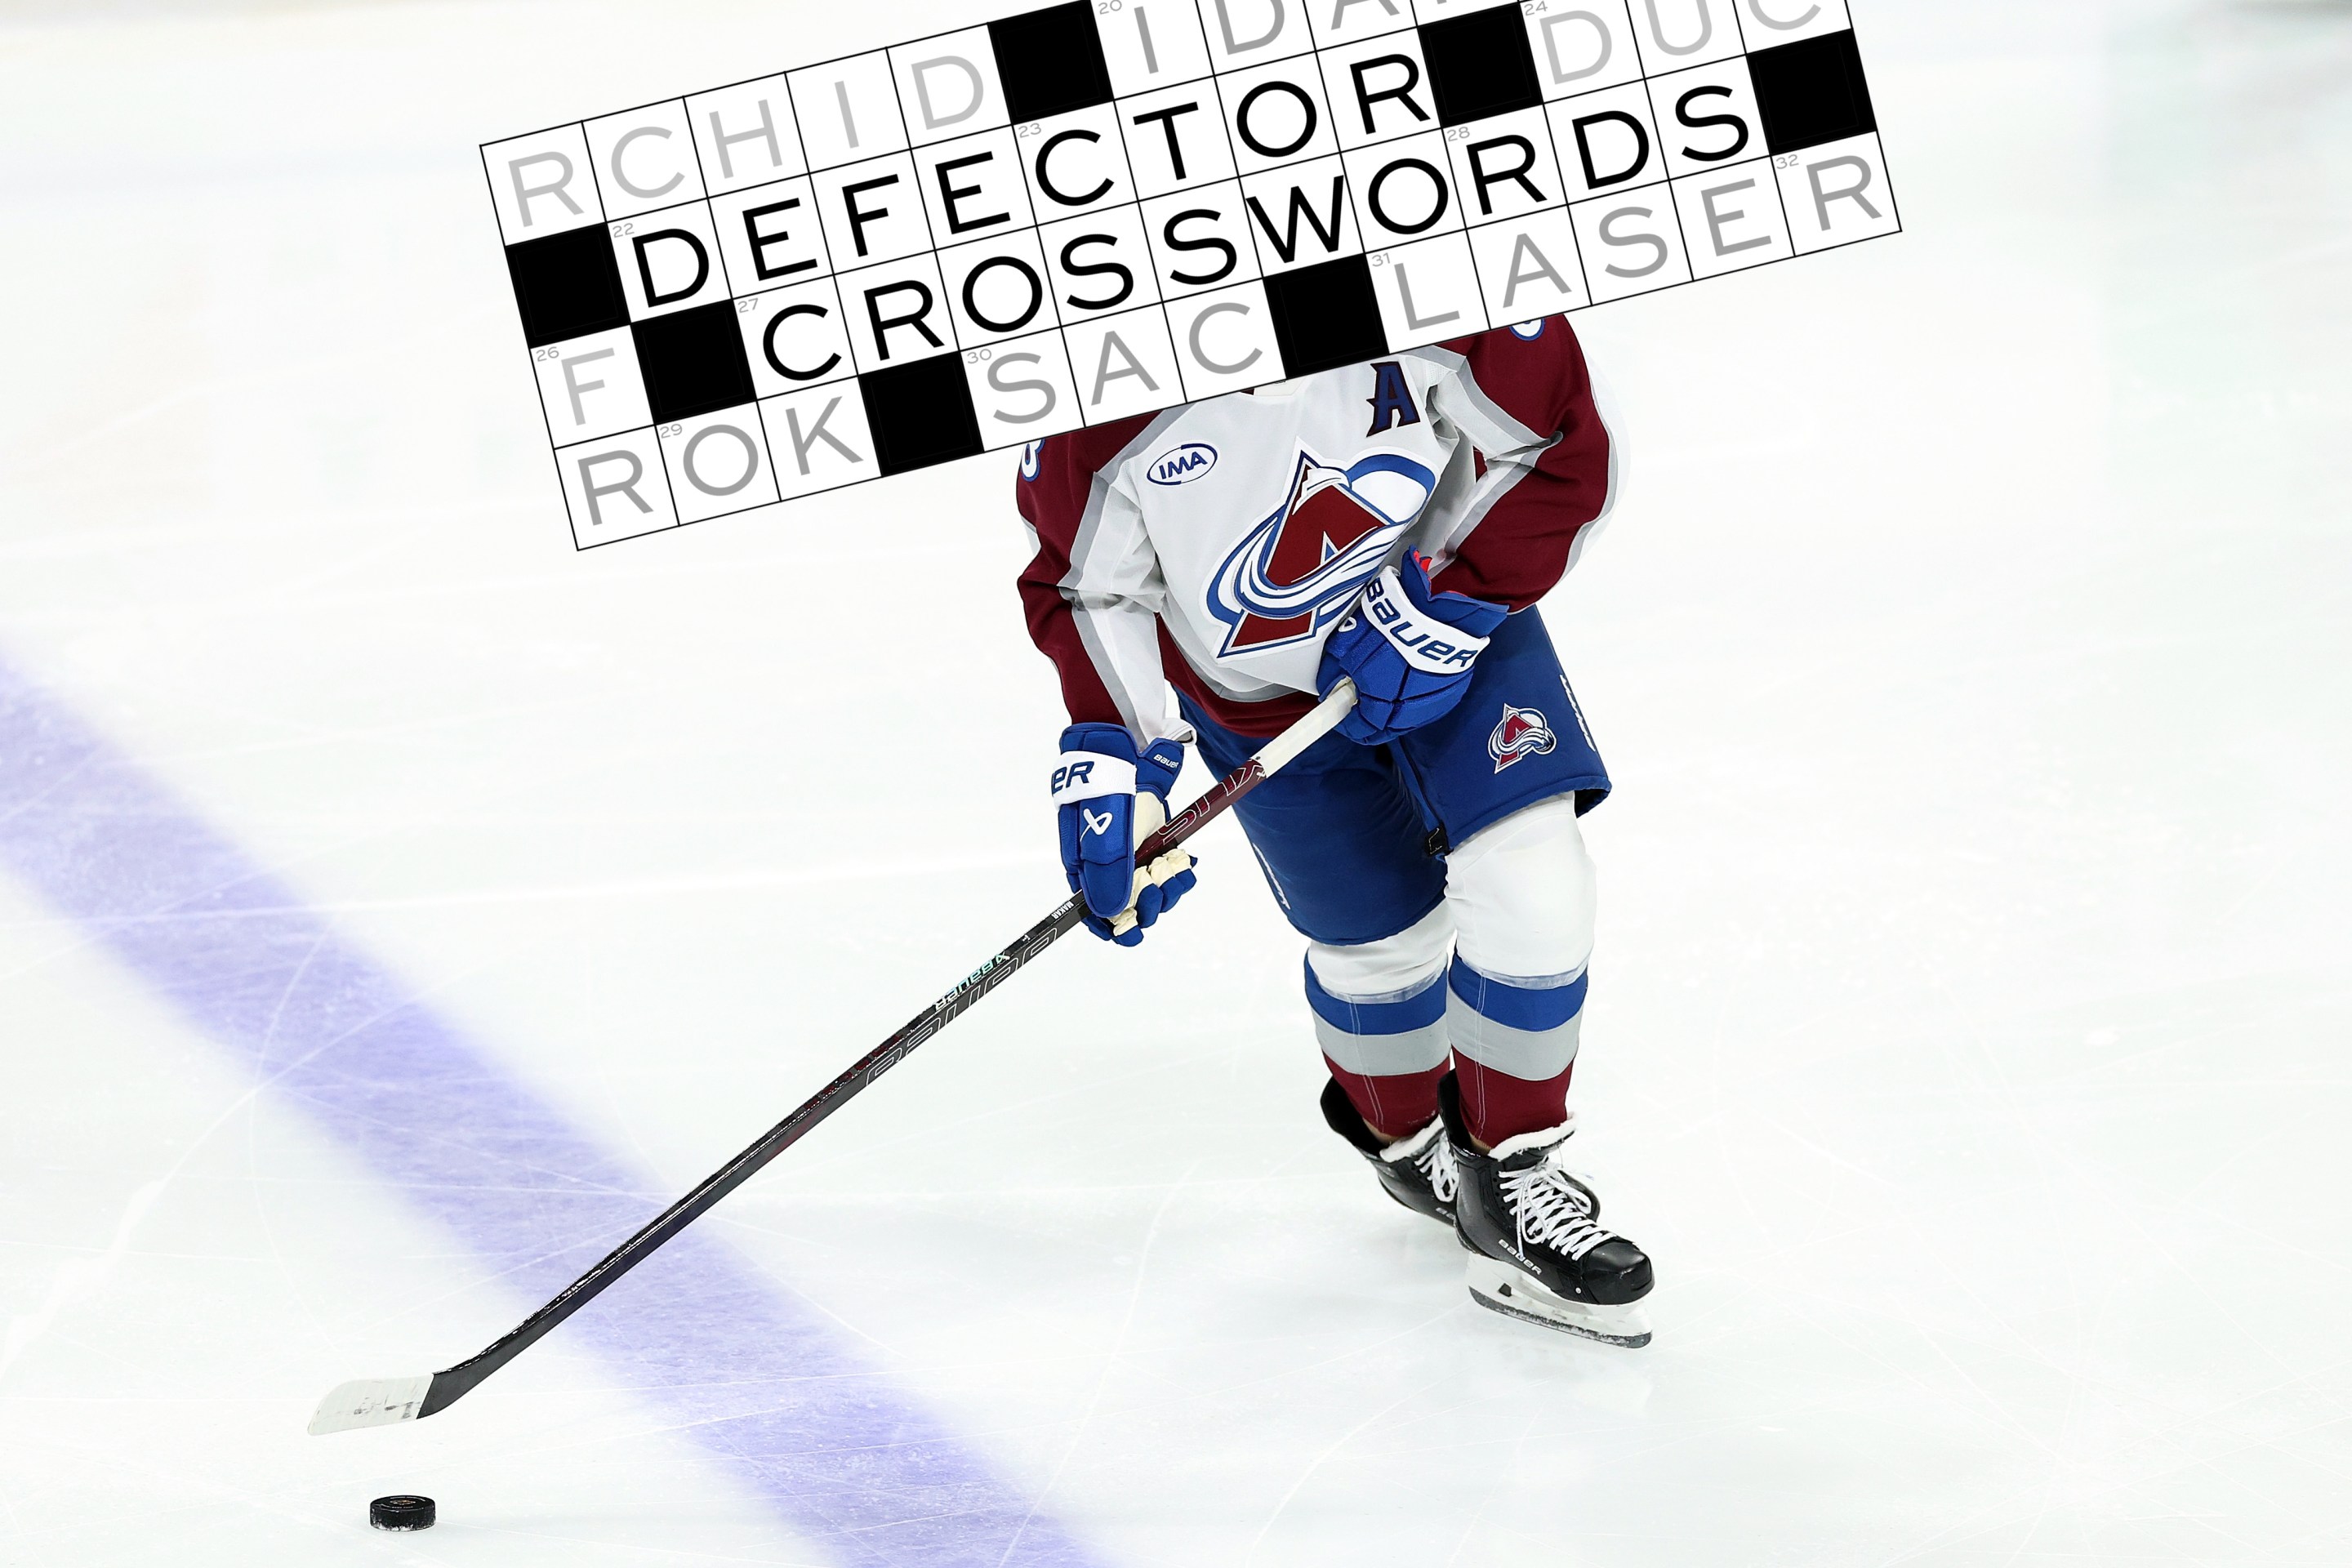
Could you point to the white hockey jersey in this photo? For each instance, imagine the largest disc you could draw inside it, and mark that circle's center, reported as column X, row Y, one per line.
column 1214, row 545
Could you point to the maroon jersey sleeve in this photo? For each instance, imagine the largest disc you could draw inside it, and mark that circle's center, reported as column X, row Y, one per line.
column 1055, row 499
column 1548, row 464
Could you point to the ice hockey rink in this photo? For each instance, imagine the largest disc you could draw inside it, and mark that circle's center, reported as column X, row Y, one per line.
column 397, row 906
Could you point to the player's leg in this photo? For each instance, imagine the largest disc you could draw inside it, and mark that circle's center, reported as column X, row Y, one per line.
column 1521, row 893
column 1379, row 1016
column 1506, row 774
column 1345, row 849
column 1522, row 896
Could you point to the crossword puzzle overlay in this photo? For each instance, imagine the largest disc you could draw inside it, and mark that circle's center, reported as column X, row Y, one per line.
column 851, row 269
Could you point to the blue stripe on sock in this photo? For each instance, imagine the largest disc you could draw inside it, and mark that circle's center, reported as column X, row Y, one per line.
column 1516, row 1006
column 1418, row 1011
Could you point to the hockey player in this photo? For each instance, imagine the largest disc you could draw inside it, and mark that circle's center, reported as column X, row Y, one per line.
column 1394, row 523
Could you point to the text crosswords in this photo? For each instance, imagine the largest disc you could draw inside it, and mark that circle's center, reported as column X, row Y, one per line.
column 853, row 268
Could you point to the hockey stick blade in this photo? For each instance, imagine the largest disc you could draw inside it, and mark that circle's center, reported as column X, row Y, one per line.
column 386, row 1402
column 370, row 1402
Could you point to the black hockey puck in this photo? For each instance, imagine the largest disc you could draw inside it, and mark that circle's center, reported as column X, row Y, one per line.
column 401, row 1514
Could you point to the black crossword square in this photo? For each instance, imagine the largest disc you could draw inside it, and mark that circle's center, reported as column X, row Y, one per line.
column 1326, row 315
column 1050, row 61
column 693, row 362
column 921, row 414
column 567, row 286
column 1480, row 65
column 1812, row 92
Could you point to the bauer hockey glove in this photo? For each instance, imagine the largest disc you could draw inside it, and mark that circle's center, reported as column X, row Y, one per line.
column 1408, row 648
column 1112, row 798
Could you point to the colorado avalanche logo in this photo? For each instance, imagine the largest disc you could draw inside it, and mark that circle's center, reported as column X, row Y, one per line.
column 1300, row 568
column 1524, row 733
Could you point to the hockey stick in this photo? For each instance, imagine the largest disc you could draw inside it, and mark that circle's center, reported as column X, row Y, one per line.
column 381, row 1402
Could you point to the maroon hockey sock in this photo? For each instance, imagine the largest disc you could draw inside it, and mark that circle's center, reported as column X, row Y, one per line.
column 1396, row 1105
column 1497, row 1106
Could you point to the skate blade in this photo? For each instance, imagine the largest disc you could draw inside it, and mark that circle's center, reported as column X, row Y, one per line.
column 1500, row 1287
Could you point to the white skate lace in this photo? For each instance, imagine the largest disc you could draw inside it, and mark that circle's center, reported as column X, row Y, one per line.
column 1436, row 1163
column 1553, row 1210
column 1428, row 1152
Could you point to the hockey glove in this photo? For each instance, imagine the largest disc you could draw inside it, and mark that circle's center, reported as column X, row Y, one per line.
column 1408, row 648
column 1112, row 798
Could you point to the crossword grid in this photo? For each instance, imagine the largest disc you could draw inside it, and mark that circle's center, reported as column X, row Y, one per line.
column 874, row 264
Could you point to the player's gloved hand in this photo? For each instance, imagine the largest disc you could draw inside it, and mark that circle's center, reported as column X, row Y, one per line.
column 1112, row 798
column 1408, row 648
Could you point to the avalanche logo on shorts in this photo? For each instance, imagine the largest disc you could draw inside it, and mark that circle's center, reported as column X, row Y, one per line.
column 1524, row 733
column 1298, row 570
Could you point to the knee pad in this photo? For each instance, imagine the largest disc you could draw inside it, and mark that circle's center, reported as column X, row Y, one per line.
column 1521, row 894
column 1392, row 967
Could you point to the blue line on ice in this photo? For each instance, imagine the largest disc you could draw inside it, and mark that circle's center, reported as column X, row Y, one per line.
column 758, row 1379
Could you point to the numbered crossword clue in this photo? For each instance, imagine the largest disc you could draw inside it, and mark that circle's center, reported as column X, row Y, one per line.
column 853, row 268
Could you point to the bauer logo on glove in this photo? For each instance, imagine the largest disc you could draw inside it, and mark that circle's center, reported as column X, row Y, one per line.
column 1111, row 798
column 1408, row 649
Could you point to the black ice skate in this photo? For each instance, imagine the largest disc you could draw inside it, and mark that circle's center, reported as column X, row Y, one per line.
column 1418, row 1172
column 1536, row 1248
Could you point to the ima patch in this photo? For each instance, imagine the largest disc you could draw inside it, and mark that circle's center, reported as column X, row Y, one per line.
column 1183, row 465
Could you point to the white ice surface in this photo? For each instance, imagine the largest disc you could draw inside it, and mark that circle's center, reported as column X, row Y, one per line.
column 1969, row 1027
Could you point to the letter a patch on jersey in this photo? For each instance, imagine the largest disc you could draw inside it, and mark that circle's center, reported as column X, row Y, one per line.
column 1391, row 399
column 1295, row 572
